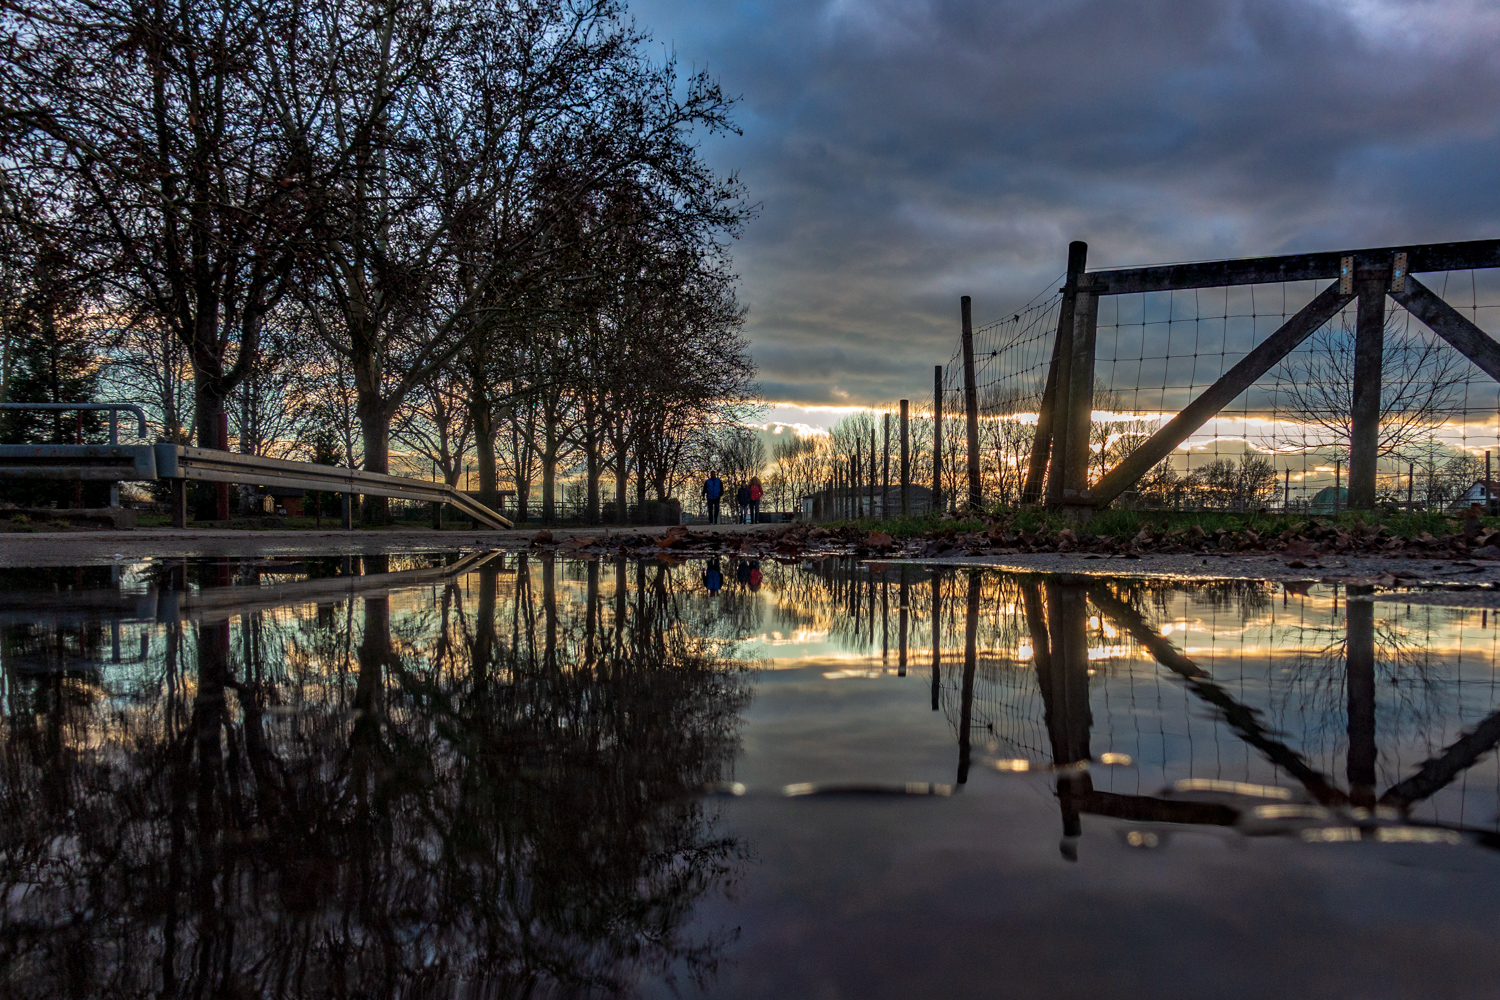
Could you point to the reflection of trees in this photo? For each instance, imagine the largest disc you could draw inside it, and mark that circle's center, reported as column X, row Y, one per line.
column 496, row 790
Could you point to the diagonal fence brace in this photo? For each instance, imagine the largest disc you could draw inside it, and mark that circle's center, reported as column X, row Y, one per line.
column 1219, row 395
column 1448, row 323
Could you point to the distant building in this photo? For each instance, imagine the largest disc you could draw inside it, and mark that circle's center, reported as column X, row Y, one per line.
column 282, row 500
column 1484, row 493
column 851, row 502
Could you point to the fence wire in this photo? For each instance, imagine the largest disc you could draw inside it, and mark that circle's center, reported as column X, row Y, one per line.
column 1283, row 444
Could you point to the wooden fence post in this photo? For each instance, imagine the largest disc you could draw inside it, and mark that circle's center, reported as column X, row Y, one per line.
column 1047, row 442
column 971, row 404
column 1080, row 409
column 905, row 457
column 1364, row 434
column 937, row 439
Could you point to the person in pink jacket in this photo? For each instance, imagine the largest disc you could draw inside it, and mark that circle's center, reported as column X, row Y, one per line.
column 755, row 494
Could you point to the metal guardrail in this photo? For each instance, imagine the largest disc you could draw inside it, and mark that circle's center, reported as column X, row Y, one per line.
column 114, row 409
column 180, row 463
column 117, row 463
column 183, row 462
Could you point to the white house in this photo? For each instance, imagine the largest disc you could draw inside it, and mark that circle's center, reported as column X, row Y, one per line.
column 1482, row 493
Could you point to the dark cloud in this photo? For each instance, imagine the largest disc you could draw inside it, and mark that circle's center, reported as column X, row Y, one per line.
column 906, row 153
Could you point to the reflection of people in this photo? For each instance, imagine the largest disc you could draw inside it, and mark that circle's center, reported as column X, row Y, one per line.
column 712, row 578
column 742, row 571
column 754, row 575
column 713, row 489
column 756, row 492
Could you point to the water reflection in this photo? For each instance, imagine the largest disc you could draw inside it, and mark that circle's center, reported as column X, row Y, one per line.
column 359, row 779
column 485, row 773
column 1377, row 711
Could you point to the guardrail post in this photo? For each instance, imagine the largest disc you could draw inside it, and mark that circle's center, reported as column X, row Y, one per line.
column 114, row 439
column 345, row 513
column 222, row 489
column 178, row 502
column 437, row 516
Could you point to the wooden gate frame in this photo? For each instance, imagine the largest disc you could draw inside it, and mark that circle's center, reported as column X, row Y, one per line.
column 1060, row 450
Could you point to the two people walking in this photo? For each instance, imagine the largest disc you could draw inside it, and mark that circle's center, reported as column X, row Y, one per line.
column 746, row 498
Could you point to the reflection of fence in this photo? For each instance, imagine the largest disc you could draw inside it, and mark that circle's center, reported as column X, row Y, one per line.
column 1356, row 703
column 1235, row 384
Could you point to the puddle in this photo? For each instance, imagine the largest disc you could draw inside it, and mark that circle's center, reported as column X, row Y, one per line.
column 490, row 774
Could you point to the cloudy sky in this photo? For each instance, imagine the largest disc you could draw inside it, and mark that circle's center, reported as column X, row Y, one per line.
column 906, row 152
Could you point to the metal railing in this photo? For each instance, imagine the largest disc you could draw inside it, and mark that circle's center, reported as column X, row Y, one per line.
column 179, row 464
column 183, row 463
column 115, row 409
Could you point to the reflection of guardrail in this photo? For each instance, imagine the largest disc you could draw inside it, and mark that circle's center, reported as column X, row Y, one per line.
column 80, row 607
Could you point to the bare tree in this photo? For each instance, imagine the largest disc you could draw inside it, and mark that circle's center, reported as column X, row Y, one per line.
column 1421, row 380
column 146, row 126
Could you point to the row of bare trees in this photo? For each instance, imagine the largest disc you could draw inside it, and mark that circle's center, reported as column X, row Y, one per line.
column 481, row 229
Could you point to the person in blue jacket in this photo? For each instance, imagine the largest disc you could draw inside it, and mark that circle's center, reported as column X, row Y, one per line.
column 713, row 490
column 713, row 577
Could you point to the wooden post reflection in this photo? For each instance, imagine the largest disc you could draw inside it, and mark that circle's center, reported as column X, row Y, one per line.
column 937, row 635
column 903, row 600
column 1063, row 677
column 885, row 623
column 971, row 660
column 1359, row 674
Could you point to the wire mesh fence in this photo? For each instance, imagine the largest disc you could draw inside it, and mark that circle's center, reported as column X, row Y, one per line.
column 1283, row 443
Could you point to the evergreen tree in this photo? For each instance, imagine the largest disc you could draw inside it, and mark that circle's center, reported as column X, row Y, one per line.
column 55, row 360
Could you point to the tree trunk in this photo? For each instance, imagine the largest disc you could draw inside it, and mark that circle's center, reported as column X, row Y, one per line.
column 375, row 429
column 590, row 438
column 592, row 466
column 640, row 492
column 549, row 465
column 484, row 451
column 622, row 480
